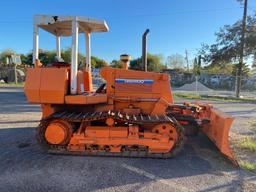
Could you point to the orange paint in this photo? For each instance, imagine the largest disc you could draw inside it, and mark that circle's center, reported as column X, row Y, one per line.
column 55, row 133
column 128, row 91
column 121, row 136
column 88, row 81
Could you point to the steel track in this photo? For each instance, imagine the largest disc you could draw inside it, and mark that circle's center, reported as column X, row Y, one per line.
column 125, row 118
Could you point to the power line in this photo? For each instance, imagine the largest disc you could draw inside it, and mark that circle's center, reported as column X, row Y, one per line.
column 176, row 13
column 144, row 15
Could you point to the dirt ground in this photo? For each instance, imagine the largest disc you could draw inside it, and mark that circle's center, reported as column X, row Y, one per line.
column 199, row 167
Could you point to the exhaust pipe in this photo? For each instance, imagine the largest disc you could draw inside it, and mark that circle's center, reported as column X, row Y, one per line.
column 144, row 50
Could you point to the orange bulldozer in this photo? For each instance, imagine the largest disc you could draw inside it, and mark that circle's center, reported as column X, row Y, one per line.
column 132, row 114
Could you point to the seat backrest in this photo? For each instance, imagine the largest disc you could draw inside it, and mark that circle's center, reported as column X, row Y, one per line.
column 84, row 82
column 88, row 81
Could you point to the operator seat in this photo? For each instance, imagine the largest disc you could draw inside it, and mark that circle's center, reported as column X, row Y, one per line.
column 84, row 81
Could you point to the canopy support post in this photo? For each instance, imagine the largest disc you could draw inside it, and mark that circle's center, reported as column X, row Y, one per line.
column 88, row 51
column 35, row 42
column 74, row 57
column 58, row 50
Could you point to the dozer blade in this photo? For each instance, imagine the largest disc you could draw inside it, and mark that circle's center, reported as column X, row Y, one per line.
column 218, row 131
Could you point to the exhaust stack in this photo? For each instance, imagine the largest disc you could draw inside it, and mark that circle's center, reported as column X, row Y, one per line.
column 144, row 50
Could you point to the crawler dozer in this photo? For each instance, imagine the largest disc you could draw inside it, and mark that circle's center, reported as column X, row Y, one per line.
column 131, row 115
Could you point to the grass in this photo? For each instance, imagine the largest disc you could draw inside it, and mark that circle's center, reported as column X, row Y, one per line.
column 245, row 150
column 214, row 98
column 11, row 84
column 248, row 144
column 248, row 166
column 187, row 96
column 252, row 123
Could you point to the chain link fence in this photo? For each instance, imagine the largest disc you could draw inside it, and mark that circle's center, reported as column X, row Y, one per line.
column 213, row 84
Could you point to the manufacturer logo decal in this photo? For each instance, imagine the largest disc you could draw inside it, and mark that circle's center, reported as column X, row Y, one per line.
column 134, row 81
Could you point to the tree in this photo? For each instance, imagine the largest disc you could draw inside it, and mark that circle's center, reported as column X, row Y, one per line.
column 226, row 48
column 47, row 57
column 253, row 71
column 233, row 44
column 227, row 45
column 241, row 50
column 154, row 63
column 197, row 65
column 176, row 61
column 226, row 69
column 97, row 62
column 23, row 58
column 27, row 59
column 245, row 70
column 6, row 53
column 254, row 63
column 116, row 64
column 66, row 56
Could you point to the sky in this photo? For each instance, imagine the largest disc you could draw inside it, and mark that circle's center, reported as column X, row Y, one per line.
column 175, row 25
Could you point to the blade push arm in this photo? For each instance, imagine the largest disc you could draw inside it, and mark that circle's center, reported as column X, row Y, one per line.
column 213, row 123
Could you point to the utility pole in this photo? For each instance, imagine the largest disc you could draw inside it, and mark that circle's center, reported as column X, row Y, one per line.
column 186, row 52
column 241, row 54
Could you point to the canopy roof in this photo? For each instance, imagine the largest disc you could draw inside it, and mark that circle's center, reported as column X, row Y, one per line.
column 62, row 25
